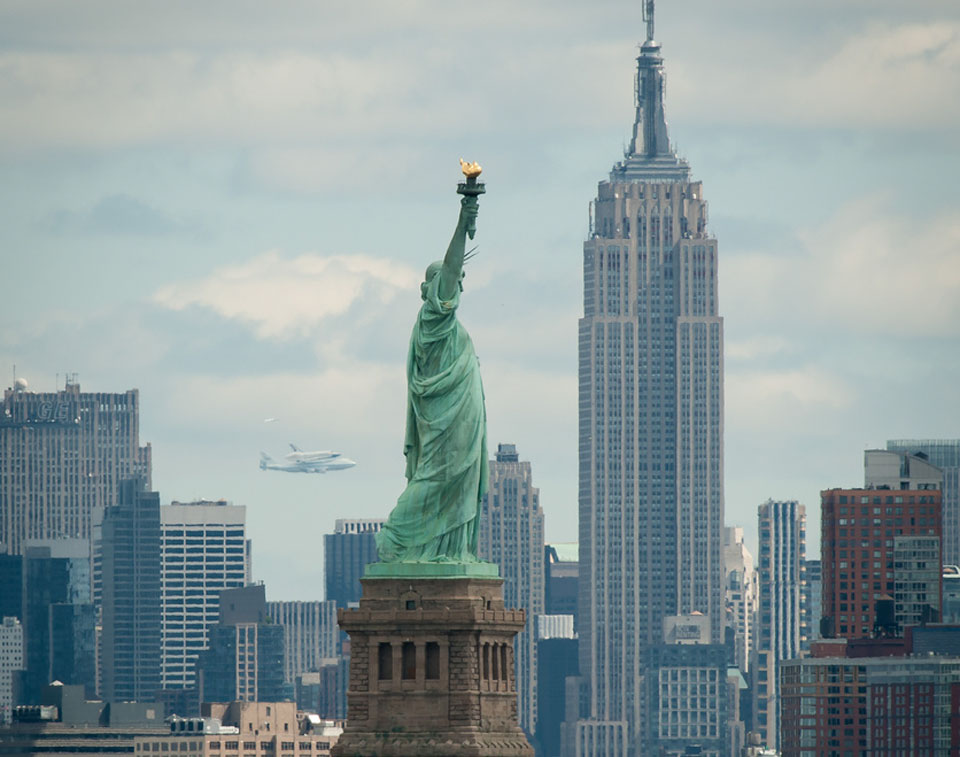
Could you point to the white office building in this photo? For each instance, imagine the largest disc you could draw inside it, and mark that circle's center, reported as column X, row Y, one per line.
column 204, row 550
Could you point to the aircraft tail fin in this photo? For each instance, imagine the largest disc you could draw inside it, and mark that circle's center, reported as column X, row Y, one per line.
column 264, row 459
column 294, row 447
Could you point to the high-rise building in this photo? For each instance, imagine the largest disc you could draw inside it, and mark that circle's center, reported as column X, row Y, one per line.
column 950, row 609
column 560, row 588
column 511, row 535
column 131, row 609
column 62, row 456
column 687, row 690
column 11, row 663
column 741, row 595
column 812, row 601
column 324, row 691
column 650, row 420
column 11, row 579
column 58, row 617
column 556, row 662
column 781, row 616
column 244, row 658
column 73, row 645
column 204, row 551
column 311, row 634
column 346, row 554
column 945, row 455
column 881, row 544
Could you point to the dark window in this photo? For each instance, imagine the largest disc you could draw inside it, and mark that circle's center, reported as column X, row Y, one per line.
column 409, row 658
column 486, row 661
column 433, row 661
column 385, row 662
column 495, row 666
column 503, row 662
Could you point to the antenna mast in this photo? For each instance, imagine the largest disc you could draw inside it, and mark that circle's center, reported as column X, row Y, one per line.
column 648, row 17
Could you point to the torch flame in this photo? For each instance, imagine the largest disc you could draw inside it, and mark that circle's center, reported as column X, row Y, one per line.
column 470, row 169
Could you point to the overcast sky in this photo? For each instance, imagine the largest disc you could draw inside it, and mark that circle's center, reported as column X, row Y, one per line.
column 228, row 205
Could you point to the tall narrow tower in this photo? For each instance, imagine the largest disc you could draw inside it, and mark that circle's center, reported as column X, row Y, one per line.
column 781, row 618
column 651, row 421
column 511, row 535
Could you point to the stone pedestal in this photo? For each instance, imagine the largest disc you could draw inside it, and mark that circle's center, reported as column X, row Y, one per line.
column 431, row 670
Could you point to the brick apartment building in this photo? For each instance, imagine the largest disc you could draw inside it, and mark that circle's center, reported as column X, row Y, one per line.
column 882, row 542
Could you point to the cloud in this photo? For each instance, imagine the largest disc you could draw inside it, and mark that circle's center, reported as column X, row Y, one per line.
column 877, row 76
column 869, row 269
column 794, row 401
column 289, row 298
column 756, row 347
column 120, row 214
column 340, row 167
column 409, row 77
column 351, row 401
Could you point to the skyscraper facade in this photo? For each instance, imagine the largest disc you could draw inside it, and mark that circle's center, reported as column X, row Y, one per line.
column 130, row 659
column 204, row 551
column 812, row 600
column 651, row 420
column 781, row 616
column 243, row 663
column 346, row 554
column 11, row 662
column 945, row 455
column 741, row 595
column 560, row 588
column 880, row 546
column 311, row 634
column 62, row 456
column 244, row 658
column 11, row 578
column 58, row 617
column 511, row 535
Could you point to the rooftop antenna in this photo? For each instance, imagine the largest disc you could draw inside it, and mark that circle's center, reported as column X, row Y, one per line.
column 648, row 17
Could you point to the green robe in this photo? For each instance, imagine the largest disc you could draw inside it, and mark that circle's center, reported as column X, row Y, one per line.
column 436, row 517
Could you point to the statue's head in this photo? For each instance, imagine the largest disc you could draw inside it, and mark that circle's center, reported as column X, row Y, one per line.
column 433, row 270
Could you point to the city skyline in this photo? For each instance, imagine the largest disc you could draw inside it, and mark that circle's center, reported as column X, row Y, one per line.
column 185, row 223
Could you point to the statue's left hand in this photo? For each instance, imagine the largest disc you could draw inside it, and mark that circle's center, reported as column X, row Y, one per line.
column 470, row 204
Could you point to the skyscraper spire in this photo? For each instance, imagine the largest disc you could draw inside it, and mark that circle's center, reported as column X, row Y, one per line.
column 648, row 17
column 650, row 153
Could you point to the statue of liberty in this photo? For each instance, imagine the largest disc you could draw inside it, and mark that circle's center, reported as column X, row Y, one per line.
column 436, row 517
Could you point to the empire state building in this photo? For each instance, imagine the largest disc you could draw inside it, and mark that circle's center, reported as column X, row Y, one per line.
column 650, row 423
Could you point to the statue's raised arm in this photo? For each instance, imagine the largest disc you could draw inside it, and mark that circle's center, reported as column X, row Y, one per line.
column 452, row 271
